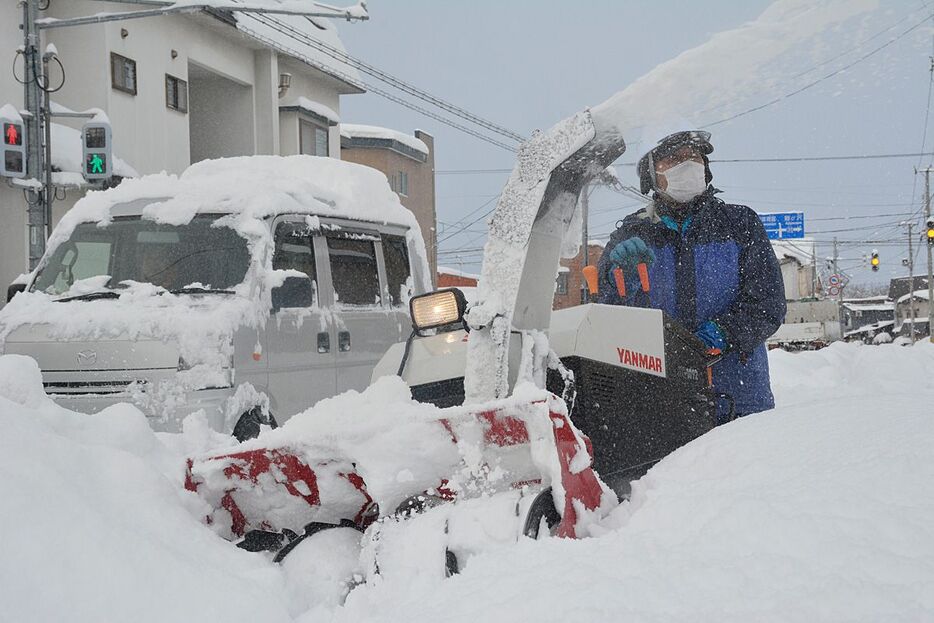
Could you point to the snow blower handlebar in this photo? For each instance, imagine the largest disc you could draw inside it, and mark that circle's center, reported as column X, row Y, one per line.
column 590, row 276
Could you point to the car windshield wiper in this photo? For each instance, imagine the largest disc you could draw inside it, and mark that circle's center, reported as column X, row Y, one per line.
column 103, row 294
column 199, row 290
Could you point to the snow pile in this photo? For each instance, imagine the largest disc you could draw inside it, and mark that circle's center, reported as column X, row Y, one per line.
column 97, row 526
column 818, row 510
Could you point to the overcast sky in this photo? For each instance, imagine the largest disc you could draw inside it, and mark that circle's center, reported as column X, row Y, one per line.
column 527, row 65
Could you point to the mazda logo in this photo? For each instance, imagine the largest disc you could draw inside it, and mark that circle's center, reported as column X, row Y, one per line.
column 87, row 358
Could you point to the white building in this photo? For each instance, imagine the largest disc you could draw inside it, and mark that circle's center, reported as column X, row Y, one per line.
column 796, row 259
column 179, row 89
column 903, row 307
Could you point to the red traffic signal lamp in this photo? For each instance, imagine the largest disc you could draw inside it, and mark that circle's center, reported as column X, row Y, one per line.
column 874, row 260
column 12, row 134
column 13, row 156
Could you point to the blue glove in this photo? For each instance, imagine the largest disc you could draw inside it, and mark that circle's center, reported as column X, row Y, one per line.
column 631, row 252
column 711, row 334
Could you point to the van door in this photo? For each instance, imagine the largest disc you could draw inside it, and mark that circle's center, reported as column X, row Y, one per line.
column 300, row 339
column 369, row 318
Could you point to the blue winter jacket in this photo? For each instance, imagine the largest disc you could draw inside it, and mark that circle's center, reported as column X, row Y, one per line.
column 716, row 265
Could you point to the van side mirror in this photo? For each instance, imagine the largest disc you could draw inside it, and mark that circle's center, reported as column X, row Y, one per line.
column 13, row 290
column 294, row 292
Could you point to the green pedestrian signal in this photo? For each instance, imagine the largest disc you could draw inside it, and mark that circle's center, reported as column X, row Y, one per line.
column 96, row 164
column 97, row 147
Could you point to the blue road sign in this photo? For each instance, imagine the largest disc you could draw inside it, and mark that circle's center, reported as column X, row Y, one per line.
column 782, row 225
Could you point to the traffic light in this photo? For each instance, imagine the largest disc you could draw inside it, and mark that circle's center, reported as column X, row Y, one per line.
column 96, row 141
column 930, row 231
column 875, row 260
column 14, row 143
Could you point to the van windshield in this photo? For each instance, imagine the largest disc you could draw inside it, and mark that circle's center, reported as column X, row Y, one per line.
column 136, row 249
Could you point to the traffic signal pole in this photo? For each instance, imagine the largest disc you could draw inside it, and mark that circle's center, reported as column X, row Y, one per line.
column 37, row 196
column 911, row 281
column 927, row 218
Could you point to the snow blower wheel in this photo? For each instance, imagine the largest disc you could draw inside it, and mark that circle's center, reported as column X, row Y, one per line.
column 542, row 508
column 248, row 426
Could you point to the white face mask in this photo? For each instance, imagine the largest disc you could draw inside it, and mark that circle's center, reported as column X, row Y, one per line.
column 685, row 181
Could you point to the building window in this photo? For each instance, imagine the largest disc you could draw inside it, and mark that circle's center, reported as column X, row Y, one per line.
column 313, row 139
column 403, row 183
column 123, row 73
column 176, row 93
column 561, row 284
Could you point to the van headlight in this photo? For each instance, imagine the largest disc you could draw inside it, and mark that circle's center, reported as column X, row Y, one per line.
column 437, row 309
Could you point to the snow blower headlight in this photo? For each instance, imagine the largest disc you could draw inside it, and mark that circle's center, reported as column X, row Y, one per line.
column 437, row 309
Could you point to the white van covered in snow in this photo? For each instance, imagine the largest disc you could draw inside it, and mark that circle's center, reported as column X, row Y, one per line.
column 243, row 287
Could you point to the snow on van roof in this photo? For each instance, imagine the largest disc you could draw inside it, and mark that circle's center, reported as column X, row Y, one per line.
column 253, row 187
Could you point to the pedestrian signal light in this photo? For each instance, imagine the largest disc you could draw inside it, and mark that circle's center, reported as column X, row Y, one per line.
column 96, row 142
column 874, row 261
column 13, row 163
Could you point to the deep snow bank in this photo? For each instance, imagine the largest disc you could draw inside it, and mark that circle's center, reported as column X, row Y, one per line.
column 819, row 510
column 95, row 525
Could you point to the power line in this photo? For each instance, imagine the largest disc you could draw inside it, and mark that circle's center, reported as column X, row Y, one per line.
column 819, row 80
column 340, row 55
column 725, row 161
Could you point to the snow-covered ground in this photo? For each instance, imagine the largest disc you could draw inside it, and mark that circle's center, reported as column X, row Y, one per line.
column 821, row 510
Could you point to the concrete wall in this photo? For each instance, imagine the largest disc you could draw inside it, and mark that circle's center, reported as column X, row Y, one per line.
column 221, row 113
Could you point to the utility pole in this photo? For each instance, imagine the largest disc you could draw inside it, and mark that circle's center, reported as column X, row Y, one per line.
column 911, row 281
column 585, row 236
column 37, row 197
column 927, row 217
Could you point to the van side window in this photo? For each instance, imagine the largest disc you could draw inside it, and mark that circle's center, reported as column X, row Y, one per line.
column 294, row 250
column 353, row 269
column 396, row 258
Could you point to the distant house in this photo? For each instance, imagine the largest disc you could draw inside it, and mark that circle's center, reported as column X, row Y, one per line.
column 453, row 278
column 858, row 313
column 409, row 164
column 796, row 260
column 900, row 286
column 569, row 283
column 903, row 306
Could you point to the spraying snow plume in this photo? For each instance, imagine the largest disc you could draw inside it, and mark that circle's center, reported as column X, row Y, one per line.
column 734, row 69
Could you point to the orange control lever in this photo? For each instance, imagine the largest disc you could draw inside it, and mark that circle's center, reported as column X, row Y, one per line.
column 644, row 276
column 620, row 281
column 590, row 276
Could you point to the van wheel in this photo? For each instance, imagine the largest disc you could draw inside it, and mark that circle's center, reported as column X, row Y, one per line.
column 249, row 423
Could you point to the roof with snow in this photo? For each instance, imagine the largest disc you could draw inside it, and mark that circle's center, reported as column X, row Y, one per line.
column 888, row 306
column 317, row 111
column 802, row 250
column 444, row 270
column 311, row 40
column 918, row 294
column 375, row 137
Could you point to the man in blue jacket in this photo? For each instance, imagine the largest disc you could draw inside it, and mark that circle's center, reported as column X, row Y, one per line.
column 710, row 265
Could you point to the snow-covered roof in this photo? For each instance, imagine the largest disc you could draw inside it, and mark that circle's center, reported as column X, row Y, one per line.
column 597, row 243
column 919, row 294
column 801, row 250
column 252, row 187
column 312, row 40
column 353, row 130
column 869, row 328
column 316, row 109
column 444, row 270
column 870, row 306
